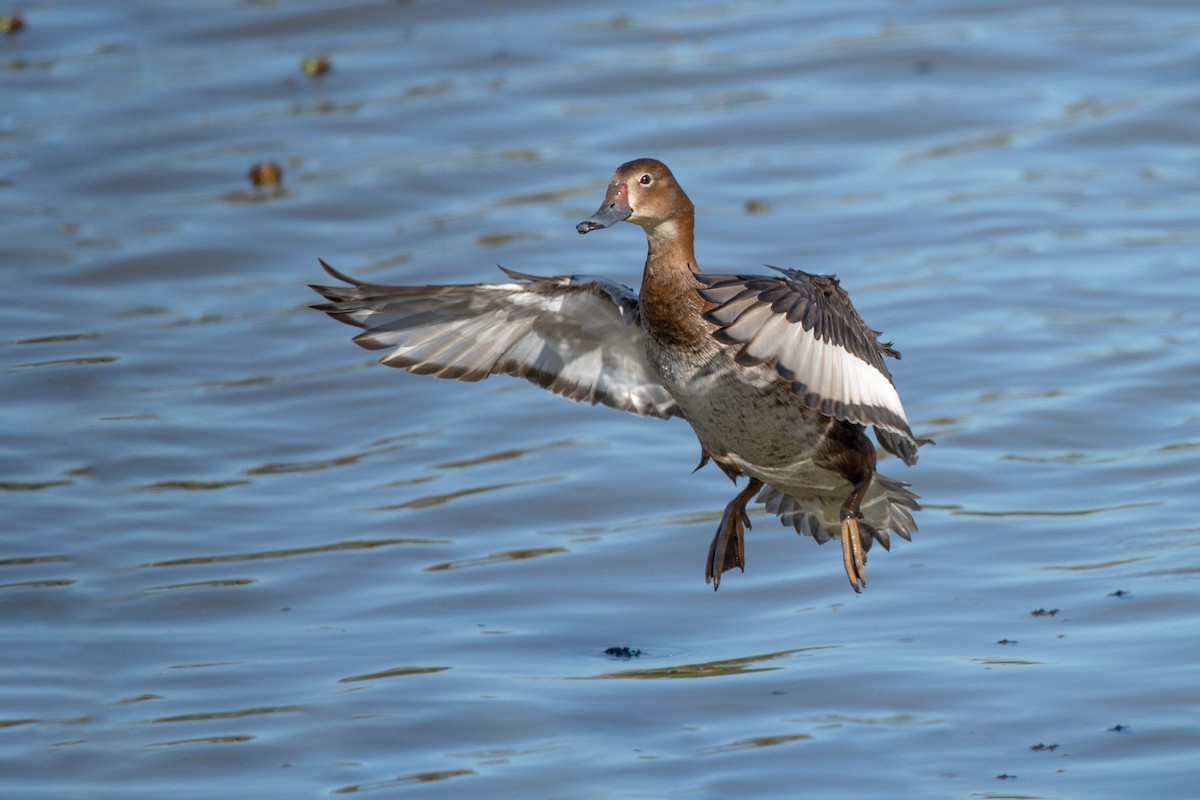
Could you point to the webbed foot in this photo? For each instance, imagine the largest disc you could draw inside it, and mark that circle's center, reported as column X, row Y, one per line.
column 728, row 548
column 853, row 555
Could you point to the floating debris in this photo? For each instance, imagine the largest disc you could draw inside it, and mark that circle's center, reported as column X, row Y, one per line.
column 11, row 23
column 623, row 653
column 267, row 173
column 1039, row 747
column 1041, row 612
column 315, row 67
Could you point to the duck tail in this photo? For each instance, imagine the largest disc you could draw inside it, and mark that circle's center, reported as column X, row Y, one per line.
column 888, row 508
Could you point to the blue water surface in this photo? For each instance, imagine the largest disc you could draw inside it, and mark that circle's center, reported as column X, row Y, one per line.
column 238, row 558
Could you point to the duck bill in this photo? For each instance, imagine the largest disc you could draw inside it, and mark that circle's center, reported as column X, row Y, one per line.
column 614, row 209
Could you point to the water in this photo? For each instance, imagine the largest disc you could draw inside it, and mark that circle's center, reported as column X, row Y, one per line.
column 237, row 558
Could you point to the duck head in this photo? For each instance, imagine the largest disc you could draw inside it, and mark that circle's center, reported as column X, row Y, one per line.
column 643, row 192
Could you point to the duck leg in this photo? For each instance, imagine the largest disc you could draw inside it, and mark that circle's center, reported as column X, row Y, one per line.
column 854, row 556
column 847, row 451
column 728, row 548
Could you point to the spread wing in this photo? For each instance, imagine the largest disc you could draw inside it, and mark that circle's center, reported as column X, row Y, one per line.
column 806, row 327
column 577, row 336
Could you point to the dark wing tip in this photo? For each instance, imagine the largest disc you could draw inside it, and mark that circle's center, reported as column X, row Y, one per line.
column 334, row 294
column 902, row 444
column 344, row 278
column 512, row 273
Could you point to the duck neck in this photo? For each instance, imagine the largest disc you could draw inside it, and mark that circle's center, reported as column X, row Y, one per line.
column 670, row 249
column 670, row 304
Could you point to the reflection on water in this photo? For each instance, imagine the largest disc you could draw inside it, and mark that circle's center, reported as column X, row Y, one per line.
column 504, row 455
column 234, row 552
column 757, row 741
column 288, row 553
column 1083, row 512
column 26, row 486
column 438, row 499
column 404, row 780
column 235, row 714
column 394, row 672
column 190, row 486
column 493, row 558
column 1087, row 110
column 711, row 669
column 204, row 740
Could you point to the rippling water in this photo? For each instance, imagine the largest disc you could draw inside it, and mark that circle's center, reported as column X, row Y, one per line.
column 238, row 558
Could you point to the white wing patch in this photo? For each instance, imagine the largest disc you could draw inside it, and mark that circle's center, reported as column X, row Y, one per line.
column 805, row 326
column 830, row 371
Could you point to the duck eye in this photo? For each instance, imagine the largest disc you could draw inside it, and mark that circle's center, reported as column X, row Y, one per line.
column 645, row 180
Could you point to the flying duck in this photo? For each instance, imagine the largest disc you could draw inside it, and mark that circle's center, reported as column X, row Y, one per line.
column 777, row 374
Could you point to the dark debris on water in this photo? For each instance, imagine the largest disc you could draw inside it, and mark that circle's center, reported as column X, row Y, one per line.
column 623, row 653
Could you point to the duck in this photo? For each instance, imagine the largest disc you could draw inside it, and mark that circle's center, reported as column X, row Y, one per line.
column 777, row 374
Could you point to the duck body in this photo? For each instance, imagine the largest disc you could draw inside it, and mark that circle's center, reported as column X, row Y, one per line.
column 744, row 415
column 777, row 375
column 746, row 419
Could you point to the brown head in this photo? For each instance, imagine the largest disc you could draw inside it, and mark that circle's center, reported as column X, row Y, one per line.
column 645, row 193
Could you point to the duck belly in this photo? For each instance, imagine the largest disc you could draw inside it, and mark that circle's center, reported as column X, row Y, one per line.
column 746, row 417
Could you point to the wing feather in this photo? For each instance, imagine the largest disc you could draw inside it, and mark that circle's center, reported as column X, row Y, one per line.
column 577, row 336
column 806, row 327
